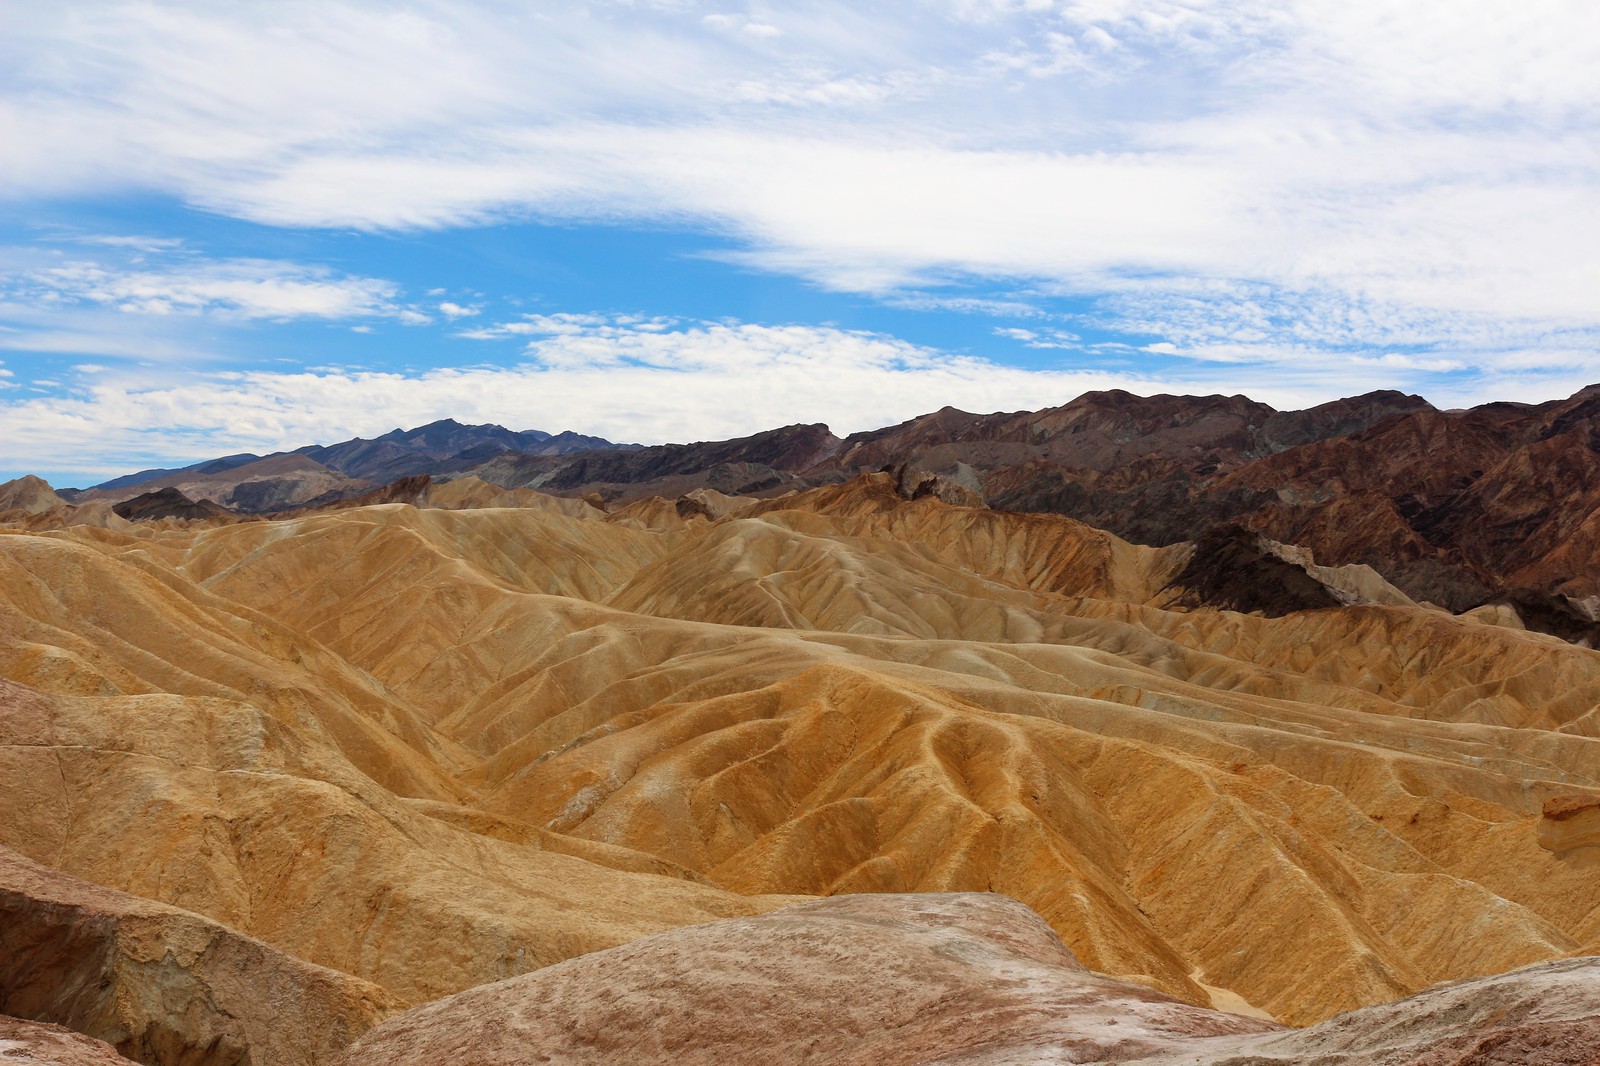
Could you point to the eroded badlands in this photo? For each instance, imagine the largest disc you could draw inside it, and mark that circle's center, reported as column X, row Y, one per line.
column 406, row 751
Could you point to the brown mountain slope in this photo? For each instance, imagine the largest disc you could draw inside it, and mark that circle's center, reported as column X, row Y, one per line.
column 170, row 503
column 270, row 484
column 1456, row 507
column 1113, row 459
column 1452, row 506
column 762, row 462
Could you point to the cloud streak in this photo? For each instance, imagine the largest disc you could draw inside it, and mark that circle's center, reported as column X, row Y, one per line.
column 131, row 301
column 245, row 289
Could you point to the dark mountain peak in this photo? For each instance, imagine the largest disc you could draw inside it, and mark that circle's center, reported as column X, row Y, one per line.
column 1160, row 407
column 446, row 430
column 168, row 503
column 445, row 446
column 1096, row 397
column 568, row 440
column 209, row 466
column 1386, row 396
column 764, row 461
column 1337, row 418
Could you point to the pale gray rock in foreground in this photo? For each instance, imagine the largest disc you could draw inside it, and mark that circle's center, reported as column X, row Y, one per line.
column 25, row 1043
column 961, row 979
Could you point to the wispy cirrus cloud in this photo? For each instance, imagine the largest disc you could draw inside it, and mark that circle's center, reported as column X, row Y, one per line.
column 130, row 299
column 244, row 289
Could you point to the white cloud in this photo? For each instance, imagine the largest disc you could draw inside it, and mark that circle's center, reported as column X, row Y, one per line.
column 238, row 288
column 1053, row 338
column 454, row 310
column 567, row 323
column 136, row 243
column 150, row 300
column 1366, row 174
column 1002, row 307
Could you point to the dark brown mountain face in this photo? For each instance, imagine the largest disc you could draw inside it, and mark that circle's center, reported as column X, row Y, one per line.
column 1233, row 570
column 1454, row 507
column 1451, row 506
column 1125, row 463
column 764, row 463
column 1099, row 431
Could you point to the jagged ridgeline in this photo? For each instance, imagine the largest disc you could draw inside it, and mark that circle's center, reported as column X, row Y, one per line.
column 1149, row 727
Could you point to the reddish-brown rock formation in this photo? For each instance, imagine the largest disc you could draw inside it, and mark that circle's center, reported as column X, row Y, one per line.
column 1569, row 822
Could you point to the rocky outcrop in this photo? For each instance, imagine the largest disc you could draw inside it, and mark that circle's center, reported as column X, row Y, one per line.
column 1569, row 822
column 25, row 1043
column 914, row 484
column 162, row 985
column 874, row 980
column 1235, row 569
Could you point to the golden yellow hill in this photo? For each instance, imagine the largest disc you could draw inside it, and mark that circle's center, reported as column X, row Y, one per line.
column 432, row 748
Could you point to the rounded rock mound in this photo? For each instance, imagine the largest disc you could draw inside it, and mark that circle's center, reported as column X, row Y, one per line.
column 874, row 980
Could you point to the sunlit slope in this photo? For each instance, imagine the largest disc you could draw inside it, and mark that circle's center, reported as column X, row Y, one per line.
column 836, row 692
column 222, row 763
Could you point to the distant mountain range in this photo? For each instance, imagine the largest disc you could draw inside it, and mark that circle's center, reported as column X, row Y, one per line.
column 257, row 484
column 1497, row 504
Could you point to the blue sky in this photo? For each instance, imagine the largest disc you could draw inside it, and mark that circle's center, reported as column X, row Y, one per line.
column 250, row 227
